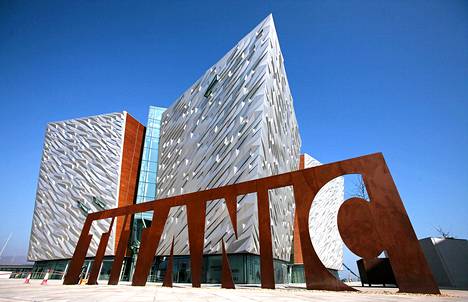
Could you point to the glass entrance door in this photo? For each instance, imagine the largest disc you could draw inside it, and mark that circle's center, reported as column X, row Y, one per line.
column 182, row 270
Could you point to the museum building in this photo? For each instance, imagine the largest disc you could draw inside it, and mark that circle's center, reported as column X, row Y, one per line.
column 235, row 123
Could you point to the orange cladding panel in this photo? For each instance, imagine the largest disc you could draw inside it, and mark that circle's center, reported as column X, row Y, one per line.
column 297, row 257
column 131, row 157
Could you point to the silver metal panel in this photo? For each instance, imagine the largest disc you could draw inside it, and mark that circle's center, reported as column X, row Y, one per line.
column 323, row 225
column 236, row 123
column 81, row 160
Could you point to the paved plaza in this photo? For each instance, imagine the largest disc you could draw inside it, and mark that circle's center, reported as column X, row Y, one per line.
column 16, row 290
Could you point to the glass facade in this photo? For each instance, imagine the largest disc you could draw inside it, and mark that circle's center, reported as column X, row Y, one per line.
column 149, row 163
column 296, row 272
column 245, row 269
column 18, row 271
column 147, row 178
column 56, row 269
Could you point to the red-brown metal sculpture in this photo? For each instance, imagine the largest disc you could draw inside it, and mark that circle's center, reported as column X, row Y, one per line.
column 167, row 282
column 356, row 222
column 120, row 254
column 226, row 276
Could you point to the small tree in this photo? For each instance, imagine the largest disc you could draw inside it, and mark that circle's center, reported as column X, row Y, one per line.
column 443, row 233
column 359, row 188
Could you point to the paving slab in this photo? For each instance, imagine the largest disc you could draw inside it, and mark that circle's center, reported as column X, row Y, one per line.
column 16, row 290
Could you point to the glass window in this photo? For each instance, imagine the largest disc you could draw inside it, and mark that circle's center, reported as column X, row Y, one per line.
column 236, row 262
column 144, row 165
column 59, row 269
column 153, row 156
column 106, row 269
column 150, row 190
column 297, row 274
column 155, row 132
column 141, row 189
column 151, row 178
column 147, row 138
column 253, row 269
column 145, row 153
column 153, row 167
column 154, row 144
column 213, row 266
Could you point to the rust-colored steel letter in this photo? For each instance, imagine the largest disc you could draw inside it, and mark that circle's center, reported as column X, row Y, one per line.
column 74, row 269
column 149, row 243
column 170, row 264
column 120, row 253
column 368, row 228
column 96, row 268
column 196, row 210
column 316, row 274
column 226, row 276
column 267, row 272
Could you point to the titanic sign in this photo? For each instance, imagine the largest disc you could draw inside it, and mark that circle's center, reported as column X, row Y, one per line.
column 366, row 227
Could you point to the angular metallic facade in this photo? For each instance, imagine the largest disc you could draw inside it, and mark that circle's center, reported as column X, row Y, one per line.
column 236, row 123
column 81, row 172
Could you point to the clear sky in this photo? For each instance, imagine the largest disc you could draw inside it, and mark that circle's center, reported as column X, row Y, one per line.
column 366, row 76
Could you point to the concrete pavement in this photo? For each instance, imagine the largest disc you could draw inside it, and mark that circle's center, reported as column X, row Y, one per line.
column 16, row 290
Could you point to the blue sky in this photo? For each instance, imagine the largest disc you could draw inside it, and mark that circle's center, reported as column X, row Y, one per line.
column 366, row 76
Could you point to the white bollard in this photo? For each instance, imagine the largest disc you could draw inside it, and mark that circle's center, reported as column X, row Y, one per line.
column 26, row 281
column 46, row 277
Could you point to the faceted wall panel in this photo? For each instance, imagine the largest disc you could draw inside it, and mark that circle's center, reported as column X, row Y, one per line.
column 236, row 123
column 79, row 173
